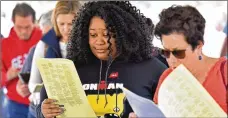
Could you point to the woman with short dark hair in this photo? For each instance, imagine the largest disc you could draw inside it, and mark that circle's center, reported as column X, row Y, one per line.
column 181, row 30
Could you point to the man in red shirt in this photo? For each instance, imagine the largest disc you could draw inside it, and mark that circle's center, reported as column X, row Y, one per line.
column 14, row 49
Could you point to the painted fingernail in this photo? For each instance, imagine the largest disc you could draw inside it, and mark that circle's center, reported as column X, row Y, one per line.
column 61, row 105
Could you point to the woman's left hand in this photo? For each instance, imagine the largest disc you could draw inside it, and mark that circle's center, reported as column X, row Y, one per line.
column 132, row 115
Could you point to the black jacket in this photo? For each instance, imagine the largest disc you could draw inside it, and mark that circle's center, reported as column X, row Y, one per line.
column 141, row 78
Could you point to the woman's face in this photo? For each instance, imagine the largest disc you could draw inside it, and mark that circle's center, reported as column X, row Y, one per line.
column 98, row 39
column 177, row 51
column 64, row 23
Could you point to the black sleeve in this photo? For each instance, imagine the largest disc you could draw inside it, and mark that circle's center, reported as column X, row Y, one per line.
column 127, row 109
column 150, row 70
column 159, row 68
column 43, row 96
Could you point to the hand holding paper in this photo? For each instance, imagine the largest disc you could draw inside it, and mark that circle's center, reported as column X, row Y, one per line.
column 62, row 83
column 141, row 106
column 50, row 109
column 180, row 95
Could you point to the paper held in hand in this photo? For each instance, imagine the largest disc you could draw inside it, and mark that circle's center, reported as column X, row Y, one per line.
column 62, row 83
column 180, row 95
column 144, row 108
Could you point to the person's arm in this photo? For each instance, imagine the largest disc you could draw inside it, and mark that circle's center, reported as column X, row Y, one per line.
column 43, row 96
column 3, row 74
column 35, row 77
column 7, row 74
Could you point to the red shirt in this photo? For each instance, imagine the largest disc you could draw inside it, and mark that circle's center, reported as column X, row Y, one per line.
column 215, row 83
column 14, row 52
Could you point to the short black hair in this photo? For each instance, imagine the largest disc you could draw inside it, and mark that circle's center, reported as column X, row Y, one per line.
column 182, row 19
column 133, row 32
column 24, row 10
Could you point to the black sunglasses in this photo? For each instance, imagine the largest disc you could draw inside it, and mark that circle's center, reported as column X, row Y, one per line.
column 180, row 54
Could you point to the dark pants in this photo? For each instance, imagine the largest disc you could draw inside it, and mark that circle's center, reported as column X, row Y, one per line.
column 17, row 110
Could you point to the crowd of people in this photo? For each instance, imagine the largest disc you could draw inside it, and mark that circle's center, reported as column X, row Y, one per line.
column 102, row 38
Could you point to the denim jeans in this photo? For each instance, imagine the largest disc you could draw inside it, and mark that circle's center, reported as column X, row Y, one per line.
column 32, row 111
column 3, row 103
column 16, row 110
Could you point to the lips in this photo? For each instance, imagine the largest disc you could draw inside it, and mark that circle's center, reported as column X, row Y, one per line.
column 100, row 51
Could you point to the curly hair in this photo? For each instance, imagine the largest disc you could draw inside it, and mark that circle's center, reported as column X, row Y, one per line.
column 133, row 32
column 182, row 19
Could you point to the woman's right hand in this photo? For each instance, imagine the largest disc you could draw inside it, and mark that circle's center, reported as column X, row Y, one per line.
column 49, row 109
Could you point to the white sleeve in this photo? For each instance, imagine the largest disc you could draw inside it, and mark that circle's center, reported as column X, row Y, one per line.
column 35, row 77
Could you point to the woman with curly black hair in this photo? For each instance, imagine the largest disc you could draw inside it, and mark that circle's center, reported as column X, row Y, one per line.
column 111, row 46
column 181, row 30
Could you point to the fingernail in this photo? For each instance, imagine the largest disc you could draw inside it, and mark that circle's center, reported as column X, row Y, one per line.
column 61, row 105
column 63, row 109
column 61, row 112
column 55, row 100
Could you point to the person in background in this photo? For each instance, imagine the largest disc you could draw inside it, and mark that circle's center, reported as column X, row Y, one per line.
column 45, row 25
column 14, row 50
column 53, row 43
column 2, row 96
column 181, row 30
column 112, row 41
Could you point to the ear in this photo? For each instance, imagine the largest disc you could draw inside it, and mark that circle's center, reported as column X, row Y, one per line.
column 12, row 20
column 200, row 45
column 199, row 48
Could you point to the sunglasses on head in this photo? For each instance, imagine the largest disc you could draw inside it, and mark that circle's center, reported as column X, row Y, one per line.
column 180, row 54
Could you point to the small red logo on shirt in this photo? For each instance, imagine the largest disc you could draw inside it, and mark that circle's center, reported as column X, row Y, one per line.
column 114, row 75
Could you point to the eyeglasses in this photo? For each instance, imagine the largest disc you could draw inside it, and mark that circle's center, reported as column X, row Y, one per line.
column 180, row 54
